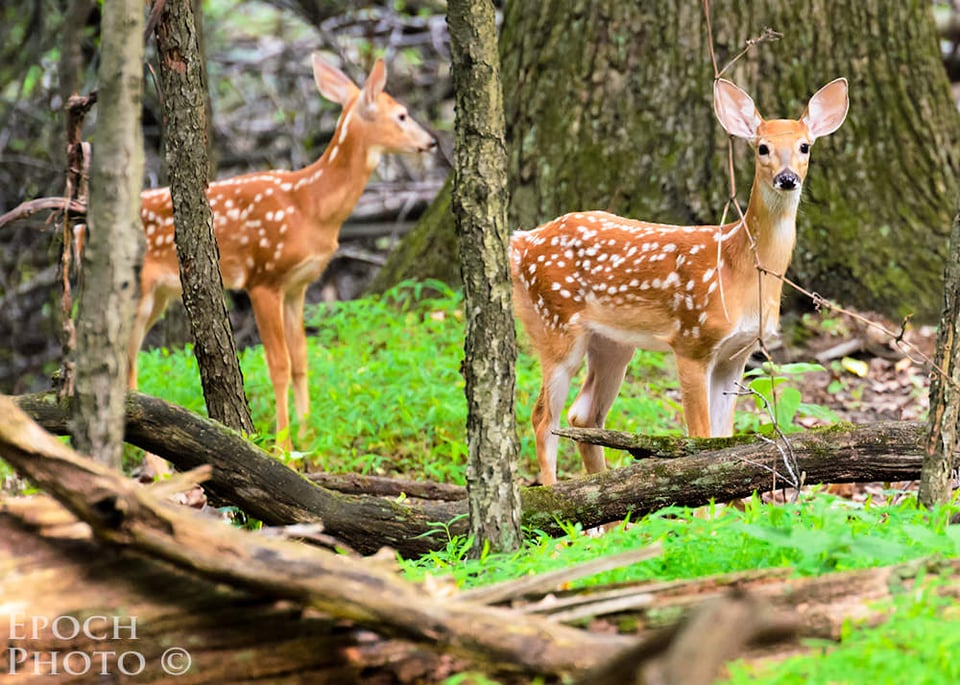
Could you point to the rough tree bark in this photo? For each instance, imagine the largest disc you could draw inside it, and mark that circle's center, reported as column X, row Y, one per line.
column 173, row 330
column 480, row 207
column 939, row 461
column 608, row 106
column 185, row 144
column 106, row 308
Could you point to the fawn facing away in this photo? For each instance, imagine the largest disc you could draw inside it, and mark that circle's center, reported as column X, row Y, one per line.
column 597, row 285
column 277, row 230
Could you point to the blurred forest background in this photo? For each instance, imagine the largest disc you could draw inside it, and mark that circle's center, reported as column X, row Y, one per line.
column 560, row 59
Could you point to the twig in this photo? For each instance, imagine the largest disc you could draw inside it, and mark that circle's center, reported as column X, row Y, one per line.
column 821, row 302
column 768, row 35
column 27, row 209
column 782, row 444
column 551, row 580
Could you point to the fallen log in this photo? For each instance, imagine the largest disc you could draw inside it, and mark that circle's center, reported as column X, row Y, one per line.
column 266, row 489
column 123, row 514
column 380, row 486
column 223, row 575
column 884, row 451
column 228, row 635
column 641, row 446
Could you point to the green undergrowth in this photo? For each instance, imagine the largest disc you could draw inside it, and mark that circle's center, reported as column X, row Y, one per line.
column 386, row 392
column 387, row 398
column 816, row 535
column 819, row 534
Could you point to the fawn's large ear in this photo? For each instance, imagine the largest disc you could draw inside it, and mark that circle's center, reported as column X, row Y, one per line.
column 827, row 109
column 375, row 83
column 332, row 83
column 735, row 110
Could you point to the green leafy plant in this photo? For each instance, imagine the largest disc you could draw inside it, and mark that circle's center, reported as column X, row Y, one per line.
column 818, row 534
column 780, row 402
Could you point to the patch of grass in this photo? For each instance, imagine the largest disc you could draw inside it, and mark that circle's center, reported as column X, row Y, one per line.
column 386, row 391
column 817, row 535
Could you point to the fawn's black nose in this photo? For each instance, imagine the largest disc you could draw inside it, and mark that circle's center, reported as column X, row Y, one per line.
column 786, row 180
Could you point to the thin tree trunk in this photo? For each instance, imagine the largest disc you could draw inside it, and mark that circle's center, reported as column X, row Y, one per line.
column 942, row 437
column 106, row 309
column 197, row 8
column 185, row 144
column 480, row 208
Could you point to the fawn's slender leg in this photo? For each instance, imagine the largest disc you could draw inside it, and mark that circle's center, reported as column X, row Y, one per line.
column 268, row 310
column 693, row 390
column 723, row 393
column 153, row 303
column 549, row 407
column 297, row 347
column 606, row 365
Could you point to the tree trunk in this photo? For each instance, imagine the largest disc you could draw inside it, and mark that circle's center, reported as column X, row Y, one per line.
column 608, row 106
column 106, row 308
column 942, row 438
column 185, row 144
column 480, row 208
column 173, row 330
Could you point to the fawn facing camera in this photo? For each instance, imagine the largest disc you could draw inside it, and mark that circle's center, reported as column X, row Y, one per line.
column 596, row 285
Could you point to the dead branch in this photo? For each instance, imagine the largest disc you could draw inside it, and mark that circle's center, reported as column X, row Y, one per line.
column 357, row 484
column 248, row 477
column 694, row 652
column 123, row 514
column 232, row 636
column 642, row 446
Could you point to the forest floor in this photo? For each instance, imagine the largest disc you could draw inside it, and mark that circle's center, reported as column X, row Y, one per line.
column 869, row 376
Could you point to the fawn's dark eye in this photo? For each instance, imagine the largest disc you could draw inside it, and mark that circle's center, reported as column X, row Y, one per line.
column 763, row 150
column 402, row 117
column 804, row 148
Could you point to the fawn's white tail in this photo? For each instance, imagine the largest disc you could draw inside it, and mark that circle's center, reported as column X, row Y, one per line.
column 596, row 285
